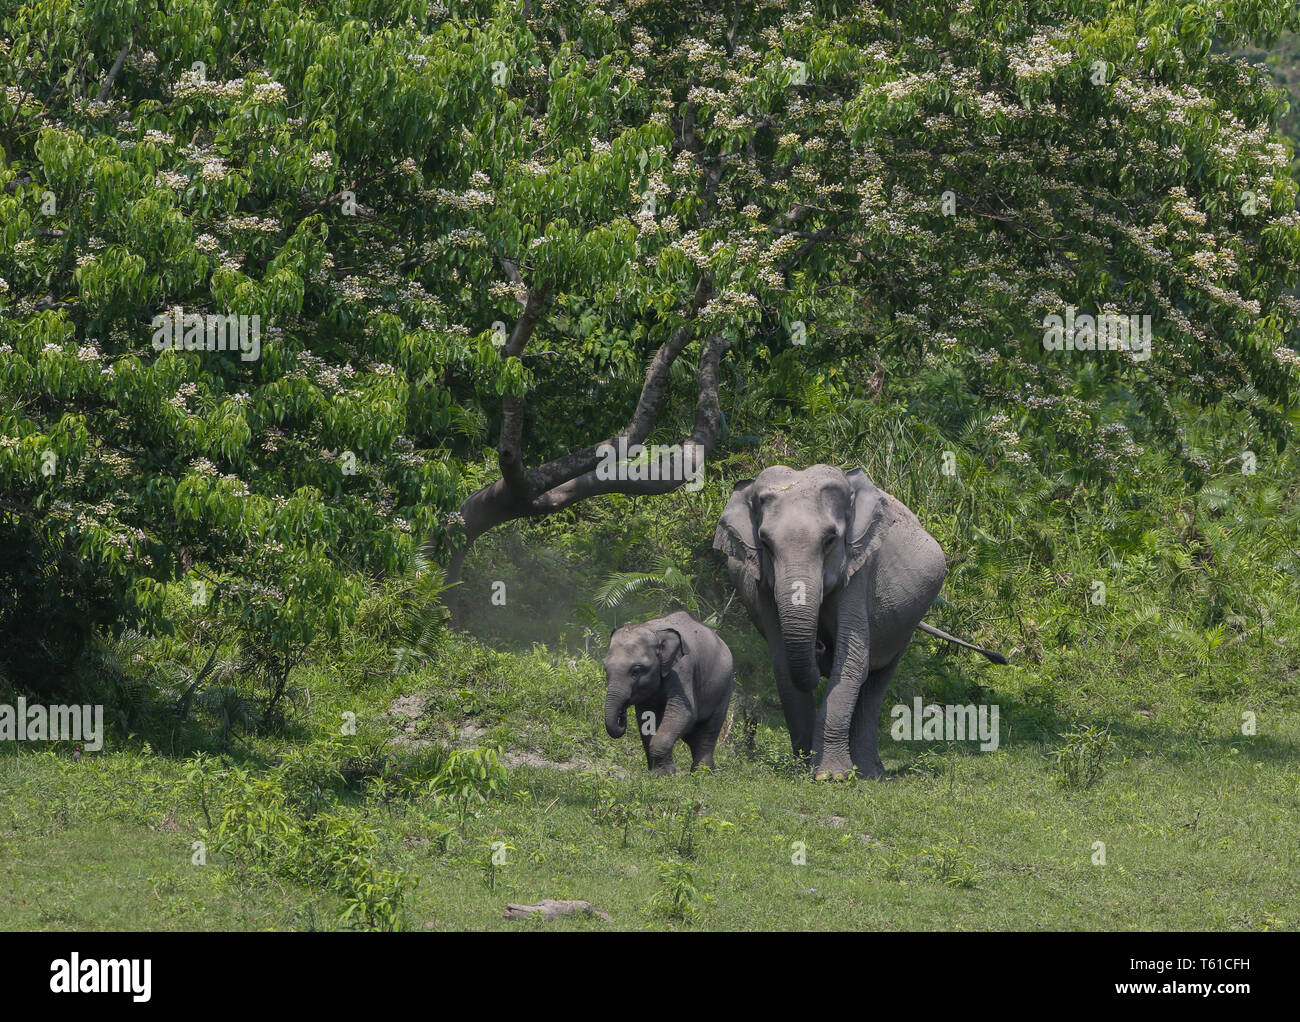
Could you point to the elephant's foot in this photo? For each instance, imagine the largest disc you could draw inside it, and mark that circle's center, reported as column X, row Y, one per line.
column 830, row 769
column 872, row 770
column 663, row 769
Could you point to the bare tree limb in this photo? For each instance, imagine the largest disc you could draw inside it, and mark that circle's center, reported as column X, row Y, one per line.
column 114, row 71
column 703, row 437
column 542, row 489
column 654, row 392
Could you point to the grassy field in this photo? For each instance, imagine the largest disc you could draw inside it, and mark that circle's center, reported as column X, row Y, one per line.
column 1198, row 820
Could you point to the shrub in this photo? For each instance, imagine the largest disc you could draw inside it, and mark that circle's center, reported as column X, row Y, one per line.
column 1081, row 760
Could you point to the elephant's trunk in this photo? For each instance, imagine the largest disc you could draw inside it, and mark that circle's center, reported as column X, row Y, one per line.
column 798, row 602
column 616, row 713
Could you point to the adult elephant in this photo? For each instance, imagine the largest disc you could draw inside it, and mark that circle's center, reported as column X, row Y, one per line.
column 837, row 574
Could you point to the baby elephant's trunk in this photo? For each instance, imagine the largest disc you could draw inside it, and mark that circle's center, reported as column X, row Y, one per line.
column 615, row 714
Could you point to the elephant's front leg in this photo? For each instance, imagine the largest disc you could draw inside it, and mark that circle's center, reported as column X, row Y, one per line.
column 648, row 716
column 799, row 710
column 672, row 724
column 847, row 676
column 797, row 706
column 865, row 731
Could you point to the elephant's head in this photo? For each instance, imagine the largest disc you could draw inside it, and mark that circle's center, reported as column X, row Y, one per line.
column 800, row 535
column 638, row 658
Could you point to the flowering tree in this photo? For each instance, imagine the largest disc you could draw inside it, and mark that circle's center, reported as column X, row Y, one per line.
column 502, row 225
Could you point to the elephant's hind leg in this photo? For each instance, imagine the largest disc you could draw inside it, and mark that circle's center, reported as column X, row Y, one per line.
column 704, row 739
column 864, row 730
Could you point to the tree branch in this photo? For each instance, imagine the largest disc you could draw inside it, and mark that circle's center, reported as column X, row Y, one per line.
column 498, row 502
column 654, row 391
column 114, row 71
column 703, row 437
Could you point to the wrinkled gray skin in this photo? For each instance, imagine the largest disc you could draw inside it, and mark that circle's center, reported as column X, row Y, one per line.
column 680, row 673
column 836, row 574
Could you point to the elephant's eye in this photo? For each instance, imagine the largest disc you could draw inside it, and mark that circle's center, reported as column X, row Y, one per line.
column 638, row 669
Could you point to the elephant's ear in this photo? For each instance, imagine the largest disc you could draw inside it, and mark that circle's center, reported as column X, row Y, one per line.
column 670, row 646
column 868, row 506
column 737, row 534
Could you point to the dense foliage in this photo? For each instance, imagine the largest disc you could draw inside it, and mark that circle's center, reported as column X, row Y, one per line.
column 436, row 211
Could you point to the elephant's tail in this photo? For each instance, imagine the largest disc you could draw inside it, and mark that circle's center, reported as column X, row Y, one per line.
column 939, row 633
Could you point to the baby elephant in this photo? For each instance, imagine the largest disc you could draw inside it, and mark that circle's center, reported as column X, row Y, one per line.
column 679, row 675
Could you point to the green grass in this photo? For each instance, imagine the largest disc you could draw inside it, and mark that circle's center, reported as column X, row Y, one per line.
column 1198, row 820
